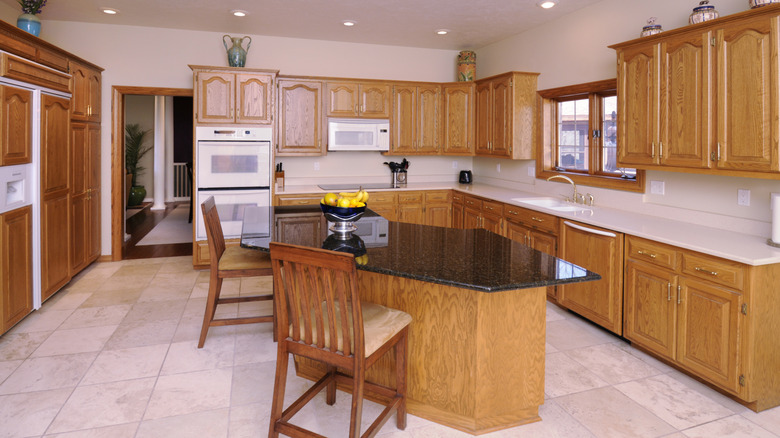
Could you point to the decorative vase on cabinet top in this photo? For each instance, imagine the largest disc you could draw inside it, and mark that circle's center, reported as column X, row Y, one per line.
column 29, row 23
column 236, row 54
column 467, row 65
column 651, row 28
column 704, row 12
column 758, row 3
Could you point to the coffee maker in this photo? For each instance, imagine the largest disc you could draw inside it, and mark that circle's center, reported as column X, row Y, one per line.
column 398, row 173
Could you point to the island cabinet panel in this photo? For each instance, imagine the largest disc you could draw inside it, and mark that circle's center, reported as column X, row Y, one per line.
column 458, row 118
column 358, row 99
column 301, row 124
column 704, row 99
column 230, row 96
column 476, row 360
column 15, row 266
column 601, row 251
column 16, row 119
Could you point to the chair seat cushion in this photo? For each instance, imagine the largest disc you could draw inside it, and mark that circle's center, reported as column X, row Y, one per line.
column 236, row 258
column 380, row 323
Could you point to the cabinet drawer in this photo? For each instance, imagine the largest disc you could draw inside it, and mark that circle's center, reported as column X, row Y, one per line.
column 531, row 218
column 727, row 273
column 457, row 198
column 472, row 202
column 651, row 252
column 382, row 197
column 304, row 199
column 409, row 197
column 437, row 197
column 493, row 207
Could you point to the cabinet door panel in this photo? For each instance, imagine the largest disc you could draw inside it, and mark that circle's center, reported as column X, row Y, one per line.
column 457, row 215
column 501, row 135
column 55, row 151
column 747, row 119
column 301, row 230
column 458, row 129
column 216, row 97
column 15, row 266
column 650, row 308
column 55, row 244
column 429, row 101
column 300, row 118
column 16, row 120
column 637, row 106
column 253, row 98
column 404, row 119
column 685, row 102
column 375, row 100
column 342, row 99
column 710, row 326
column 438, row 215
column 483, row 125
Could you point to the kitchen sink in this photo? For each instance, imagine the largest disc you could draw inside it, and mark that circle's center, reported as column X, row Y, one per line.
column 552, row 204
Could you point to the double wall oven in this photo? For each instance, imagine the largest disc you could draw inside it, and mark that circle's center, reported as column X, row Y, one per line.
column 233, row 164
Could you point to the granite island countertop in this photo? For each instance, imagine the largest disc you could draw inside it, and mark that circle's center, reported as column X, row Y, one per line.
column 469, row 259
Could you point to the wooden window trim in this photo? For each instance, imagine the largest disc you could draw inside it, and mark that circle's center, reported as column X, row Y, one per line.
column 547, row 129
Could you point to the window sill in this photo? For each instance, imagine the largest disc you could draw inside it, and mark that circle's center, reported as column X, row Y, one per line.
column 606, row 182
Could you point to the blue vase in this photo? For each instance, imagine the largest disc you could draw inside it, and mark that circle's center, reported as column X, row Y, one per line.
column 236, row 54
column 29, row 23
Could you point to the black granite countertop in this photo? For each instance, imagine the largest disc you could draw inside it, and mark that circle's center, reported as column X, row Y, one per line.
column 471, row 259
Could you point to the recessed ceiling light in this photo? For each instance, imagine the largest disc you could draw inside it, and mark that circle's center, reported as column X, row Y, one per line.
column 239, row 13
column 349, row 23
column 442, row 31
column 110, row 11
column 547, row 4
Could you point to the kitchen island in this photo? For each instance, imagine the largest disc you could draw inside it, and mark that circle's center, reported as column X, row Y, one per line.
column 477, row 300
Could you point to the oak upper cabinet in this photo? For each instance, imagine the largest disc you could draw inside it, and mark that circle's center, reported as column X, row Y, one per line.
column 358, row 99
column 227, row 96
column 85, row 87
column 505, row 115
column 415, row 119
column 700, row 99
column 15, row 266
column 85, row 195
column 600, row 251
column 747, row 98
column 301, row 124
column 16, row 119
column 458, row 118
column 55, row 193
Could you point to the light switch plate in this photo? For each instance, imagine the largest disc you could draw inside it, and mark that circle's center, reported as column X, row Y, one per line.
column 316, row 165
column 657, row 188
column 743, row 197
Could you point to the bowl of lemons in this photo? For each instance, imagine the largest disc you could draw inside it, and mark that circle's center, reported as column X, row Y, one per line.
column 345, row 206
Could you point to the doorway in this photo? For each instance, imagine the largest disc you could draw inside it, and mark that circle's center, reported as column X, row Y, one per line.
column 118, row 178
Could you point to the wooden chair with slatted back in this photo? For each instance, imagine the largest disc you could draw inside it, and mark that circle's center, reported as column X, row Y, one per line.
column 229, row 262
column 316, row 290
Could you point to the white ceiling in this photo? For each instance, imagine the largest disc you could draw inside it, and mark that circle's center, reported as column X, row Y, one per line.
column 472, row 23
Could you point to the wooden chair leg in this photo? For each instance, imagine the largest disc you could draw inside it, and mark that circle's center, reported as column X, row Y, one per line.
column 280, row 382
column 400, row 380
column 215, row 285
column 356, row 415
column 330, row 391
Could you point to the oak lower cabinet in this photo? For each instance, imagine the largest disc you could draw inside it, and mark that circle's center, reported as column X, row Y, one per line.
column 483, row 213
column 457, row 118
column 711, row 317
column 299, row 229
column 437, row 208
column 230, row 95
column 298, row 199
column 15, row 125
column 55, row 194
column 85, row 195
column 384, row 204
column 415, row 119
column 601, row 251
column 358, row 99
column 457, row 209
column 534, row 229
column 301, row 123
column 15, row 266
column 410, row 207
column 505, row 115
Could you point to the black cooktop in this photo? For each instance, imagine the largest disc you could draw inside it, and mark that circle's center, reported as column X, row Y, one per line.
column 343, row 187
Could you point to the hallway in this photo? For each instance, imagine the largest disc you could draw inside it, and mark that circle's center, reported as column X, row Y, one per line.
column 140, row 224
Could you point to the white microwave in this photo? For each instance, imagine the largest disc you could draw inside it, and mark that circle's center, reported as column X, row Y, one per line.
column 358, row 135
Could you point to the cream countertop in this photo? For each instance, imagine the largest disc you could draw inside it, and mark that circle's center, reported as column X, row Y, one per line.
column 730, row 245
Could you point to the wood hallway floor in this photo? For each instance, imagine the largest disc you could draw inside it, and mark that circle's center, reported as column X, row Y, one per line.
column 140, row 224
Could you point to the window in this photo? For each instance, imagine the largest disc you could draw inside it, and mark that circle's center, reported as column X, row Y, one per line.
column 579, row 136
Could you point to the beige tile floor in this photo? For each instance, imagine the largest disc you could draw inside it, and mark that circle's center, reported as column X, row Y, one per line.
column 114, row 355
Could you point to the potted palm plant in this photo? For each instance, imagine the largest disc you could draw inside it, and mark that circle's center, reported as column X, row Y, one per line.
column 135, row 137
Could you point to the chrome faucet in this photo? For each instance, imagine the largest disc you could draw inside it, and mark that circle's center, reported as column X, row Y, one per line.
column 574, row 196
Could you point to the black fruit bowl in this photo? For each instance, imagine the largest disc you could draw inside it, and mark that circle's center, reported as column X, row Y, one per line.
column 342, row 214
column 353, row 245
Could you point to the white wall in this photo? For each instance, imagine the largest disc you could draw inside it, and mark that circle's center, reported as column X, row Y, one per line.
column 574, row 50
column 140, row 110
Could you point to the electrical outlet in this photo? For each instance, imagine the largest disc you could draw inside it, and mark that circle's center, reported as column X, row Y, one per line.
column 657, row 188
column 316, row 165
column 455, row 164
column 743, row 197
column 531, row 171
column 498, row 168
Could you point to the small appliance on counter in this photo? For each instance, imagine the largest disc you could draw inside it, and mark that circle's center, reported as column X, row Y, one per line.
column 398, row 171
column 465, row 177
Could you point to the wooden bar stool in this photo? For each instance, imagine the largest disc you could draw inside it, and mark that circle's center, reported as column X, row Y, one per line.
column 232, row 262
column 320, row 317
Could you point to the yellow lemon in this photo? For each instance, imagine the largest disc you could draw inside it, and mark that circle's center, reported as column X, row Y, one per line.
column 343, row 202
column 330, row 199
